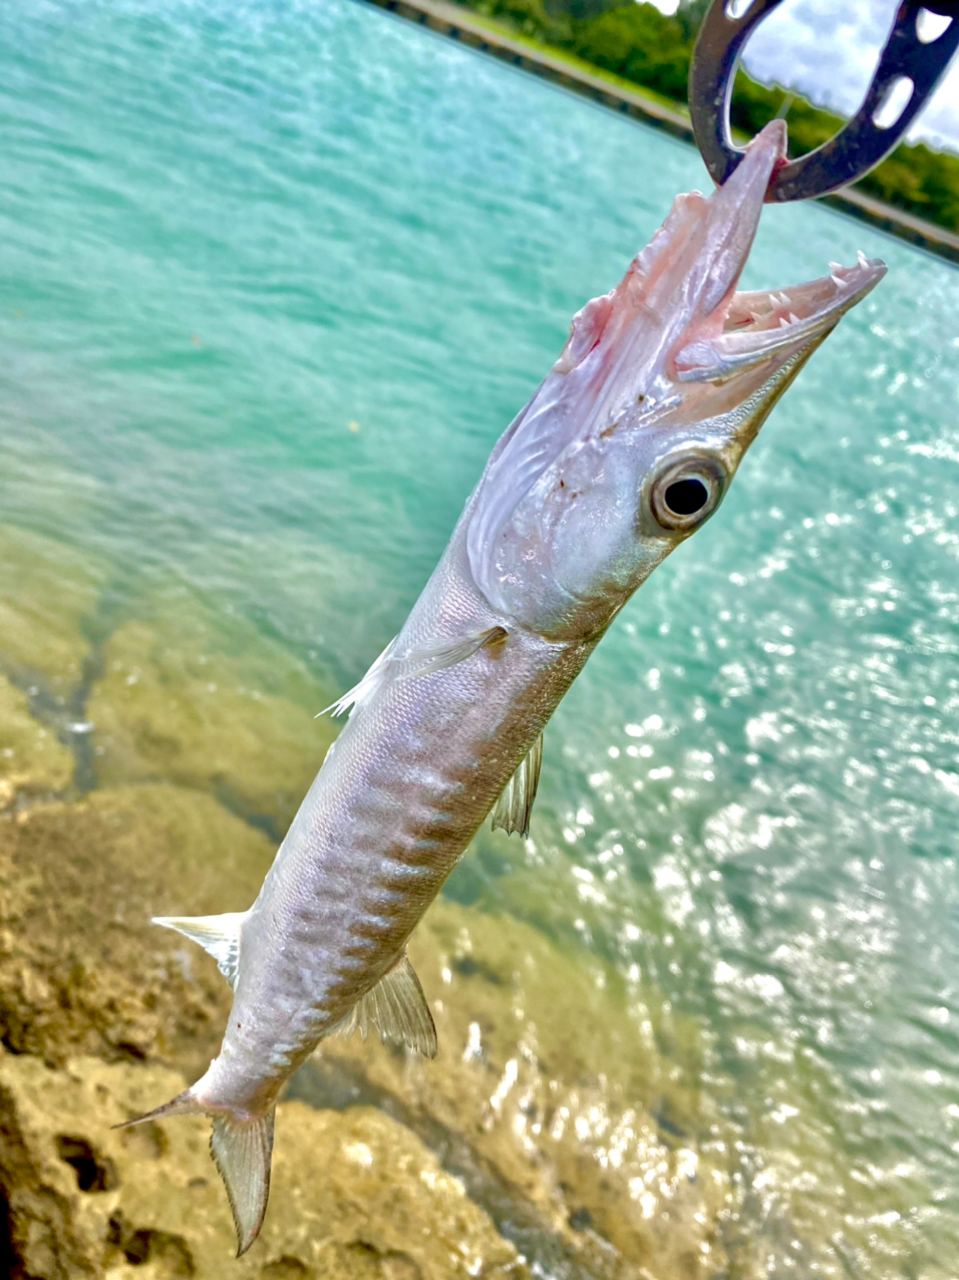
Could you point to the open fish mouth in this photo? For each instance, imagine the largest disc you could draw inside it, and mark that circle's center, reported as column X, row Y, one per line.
column 675, row 339
column 727, row 332
column 772, row 324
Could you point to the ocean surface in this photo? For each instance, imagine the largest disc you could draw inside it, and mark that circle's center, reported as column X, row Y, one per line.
column 273, row 279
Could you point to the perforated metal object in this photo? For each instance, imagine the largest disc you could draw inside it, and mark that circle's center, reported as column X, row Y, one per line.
column 858, row 147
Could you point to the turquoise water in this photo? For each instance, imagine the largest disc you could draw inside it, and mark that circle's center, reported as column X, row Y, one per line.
column 229, row 231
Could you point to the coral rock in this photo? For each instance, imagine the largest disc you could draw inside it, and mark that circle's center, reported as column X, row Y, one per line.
column 81, row 969
column 32, row 761
column 355, row 1196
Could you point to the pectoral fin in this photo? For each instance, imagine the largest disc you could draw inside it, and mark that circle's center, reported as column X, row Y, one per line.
column 397, row 1008
column 425, row 659
column 419, row 661
column 359, row 694
column 219, row 935
column 512, row 810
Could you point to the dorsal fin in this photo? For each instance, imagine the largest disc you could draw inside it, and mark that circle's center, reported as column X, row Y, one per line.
column 397, row 1008
column 512, row 810
column 219, row 935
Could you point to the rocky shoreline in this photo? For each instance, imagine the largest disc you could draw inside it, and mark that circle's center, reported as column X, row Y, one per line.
column 529, row 1148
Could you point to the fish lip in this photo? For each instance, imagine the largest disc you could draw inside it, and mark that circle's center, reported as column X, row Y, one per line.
column 773, row 325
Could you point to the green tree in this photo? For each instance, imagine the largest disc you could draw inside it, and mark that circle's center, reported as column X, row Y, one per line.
column 690, row 16
column 583, row 10
column 639, row 43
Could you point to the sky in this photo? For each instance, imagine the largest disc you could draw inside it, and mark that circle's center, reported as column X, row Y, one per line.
column 828, row 50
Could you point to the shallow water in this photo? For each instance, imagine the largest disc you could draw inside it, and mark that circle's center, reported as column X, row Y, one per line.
column 273, row 279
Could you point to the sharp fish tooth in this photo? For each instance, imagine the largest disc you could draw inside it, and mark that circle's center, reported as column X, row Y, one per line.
column 836, row 281
column 783, row 322
column 835, row 266
column 863, row 261
column 793, row 318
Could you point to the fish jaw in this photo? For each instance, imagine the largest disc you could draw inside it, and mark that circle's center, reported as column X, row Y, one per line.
column 767, row 328
column 677, row 319
column 731, row 380
column 672, row 362
column 619, row 364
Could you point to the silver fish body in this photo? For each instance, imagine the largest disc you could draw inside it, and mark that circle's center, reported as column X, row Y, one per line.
column 402, row 792
column 627, row 447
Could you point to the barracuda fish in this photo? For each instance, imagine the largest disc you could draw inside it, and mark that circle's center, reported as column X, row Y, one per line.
column 626, row 449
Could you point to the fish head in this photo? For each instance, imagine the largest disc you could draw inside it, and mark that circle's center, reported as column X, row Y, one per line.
column 633, row 439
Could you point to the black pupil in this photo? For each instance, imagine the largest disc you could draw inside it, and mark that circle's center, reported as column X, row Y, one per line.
column 686, row 497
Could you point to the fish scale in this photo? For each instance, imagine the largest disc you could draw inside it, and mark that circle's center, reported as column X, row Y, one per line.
column 625, row 450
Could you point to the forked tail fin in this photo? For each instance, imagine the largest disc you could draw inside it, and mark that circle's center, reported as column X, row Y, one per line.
column 242, row 1149
column 243, row 1152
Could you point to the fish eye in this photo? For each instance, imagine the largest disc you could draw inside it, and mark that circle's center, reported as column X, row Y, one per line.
column 687, row 496
column 687, row 493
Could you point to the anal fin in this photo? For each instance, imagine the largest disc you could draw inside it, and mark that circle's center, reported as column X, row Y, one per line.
column 219, row 935
column 512, row 810
column 397, row 1008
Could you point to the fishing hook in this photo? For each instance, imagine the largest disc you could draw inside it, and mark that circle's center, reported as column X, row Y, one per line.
column 862, row 143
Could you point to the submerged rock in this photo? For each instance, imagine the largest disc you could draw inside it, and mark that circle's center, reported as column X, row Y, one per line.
column 184, row 699
column 548, row 1068
column 47, row 593
column 171, row 689
column 31, row 758
column 81, row 969
column 545, row 1074
column 550, row 1076
column 355, row 1196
